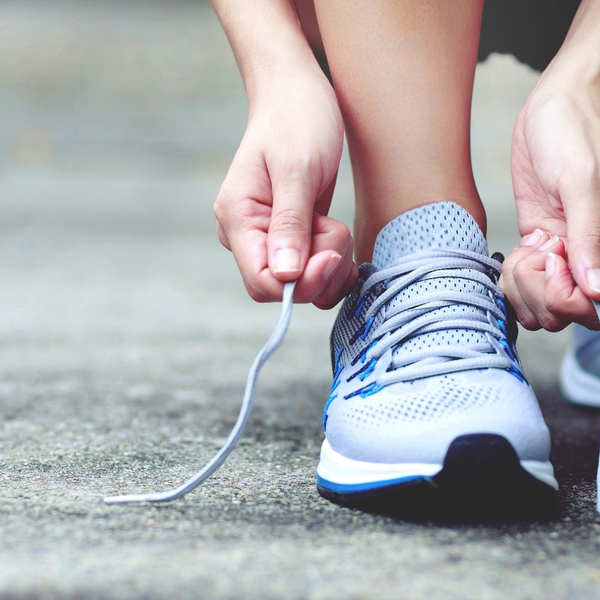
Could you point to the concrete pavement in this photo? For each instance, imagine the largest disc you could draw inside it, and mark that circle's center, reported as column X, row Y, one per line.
column 126, row 338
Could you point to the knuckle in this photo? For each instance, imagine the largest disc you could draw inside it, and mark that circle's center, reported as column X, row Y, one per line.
column 340, row 238
column 528, row 322
column 555, row 304
column 508, row 265
column 301, row 166
column 288, row 220
column 549, row 322
column 343, row 232
column 593, row 324
column 221, row 203
column 326, row 304
column 520, row 270
column 218, row 209
column 256, row 293
column 589, row 237
column 502, row 285
column 222, row 237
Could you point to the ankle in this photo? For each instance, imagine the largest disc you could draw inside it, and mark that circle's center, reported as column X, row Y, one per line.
column 370, row 218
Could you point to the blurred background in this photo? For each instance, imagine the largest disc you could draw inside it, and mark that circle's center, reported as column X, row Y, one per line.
column 126, row 335
column 119, row 122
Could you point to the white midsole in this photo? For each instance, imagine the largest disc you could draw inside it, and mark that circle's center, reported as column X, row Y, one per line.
column 344, row 471
column 577, row 385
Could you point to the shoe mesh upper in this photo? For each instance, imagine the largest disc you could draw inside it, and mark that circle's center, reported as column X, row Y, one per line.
column 416, row 420
column 441, row 225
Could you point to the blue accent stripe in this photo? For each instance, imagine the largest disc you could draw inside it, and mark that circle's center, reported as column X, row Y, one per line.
column 349, row 488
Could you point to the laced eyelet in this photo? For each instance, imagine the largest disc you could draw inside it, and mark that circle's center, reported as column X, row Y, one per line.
column 502, row 306
column 360, row 302
column 368, row 370
column 363, row 392
column 502, row 327
column 367, row 328
column 517, row 374
column 508, row 349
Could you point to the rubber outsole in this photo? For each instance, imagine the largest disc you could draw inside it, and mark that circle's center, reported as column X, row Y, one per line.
column 481, row 474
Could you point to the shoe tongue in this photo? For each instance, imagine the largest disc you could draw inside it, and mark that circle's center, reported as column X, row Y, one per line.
column 439, row 225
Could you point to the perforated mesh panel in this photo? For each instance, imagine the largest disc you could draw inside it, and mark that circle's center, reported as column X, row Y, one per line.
column 415, row 420
column 347, row 324
column 444, row 396
column 440, row 225
column 403, row 425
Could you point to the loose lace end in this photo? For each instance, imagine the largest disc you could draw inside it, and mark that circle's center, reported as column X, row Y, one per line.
column 597, row 307
column 272, row 344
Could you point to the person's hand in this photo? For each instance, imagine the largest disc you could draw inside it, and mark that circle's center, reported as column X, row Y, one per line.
column 272, row 208
column 552, row 277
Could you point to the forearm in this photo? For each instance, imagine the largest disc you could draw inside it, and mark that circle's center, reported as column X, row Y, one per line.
column 584, row 32
column 578, row 60
column 267, row 40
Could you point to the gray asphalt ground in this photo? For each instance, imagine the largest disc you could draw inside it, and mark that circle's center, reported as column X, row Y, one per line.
column 126, row 338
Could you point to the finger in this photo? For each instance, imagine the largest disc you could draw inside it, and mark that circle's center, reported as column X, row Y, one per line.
column 243, row 212
column 249, row 248
column 324, row 201
column 534, row 239
column 289, row 240
column 329, row 236
column 522, row 281
column 529, row 244
column 524, row 315
column 563, row 298
column 335, row 291
column 317, row 274
column 223, row 236
column 580, row 195
column 530, row 276
column 340, row 284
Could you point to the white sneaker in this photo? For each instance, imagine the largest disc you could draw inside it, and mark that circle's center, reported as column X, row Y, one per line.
column 580, row 371
column 428, row 391
column 580, row 375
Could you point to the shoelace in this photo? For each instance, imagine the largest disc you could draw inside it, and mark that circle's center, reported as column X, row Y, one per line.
column 597, row 307
column 396, row 271
column 419, row 316
column 238, row 429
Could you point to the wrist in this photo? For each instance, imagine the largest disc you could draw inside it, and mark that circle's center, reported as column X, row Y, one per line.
column 576, row 66
column 279, row 68
column 268, row 42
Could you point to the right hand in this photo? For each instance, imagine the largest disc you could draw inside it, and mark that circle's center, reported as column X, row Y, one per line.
column 272, row 208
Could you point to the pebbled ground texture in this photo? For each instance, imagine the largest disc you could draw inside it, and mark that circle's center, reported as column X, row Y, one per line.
column 126, row 336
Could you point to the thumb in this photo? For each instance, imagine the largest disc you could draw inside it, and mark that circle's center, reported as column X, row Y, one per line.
column 583, row 237
column 290, row 227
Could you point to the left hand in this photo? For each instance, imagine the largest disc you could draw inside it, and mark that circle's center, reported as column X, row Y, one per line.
column 553, row 276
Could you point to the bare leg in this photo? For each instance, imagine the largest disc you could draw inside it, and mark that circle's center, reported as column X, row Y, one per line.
column 403, row 73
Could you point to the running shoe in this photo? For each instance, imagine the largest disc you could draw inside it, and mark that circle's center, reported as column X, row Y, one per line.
column 580, row 371
column 429, row 396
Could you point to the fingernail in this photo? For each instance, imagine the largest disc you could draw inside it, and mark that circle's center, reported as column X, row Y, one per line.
column 550, row 264
column 533, row 238
column 593, row 279
column 553, row 240
column 332, row 265
column 287, row 260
